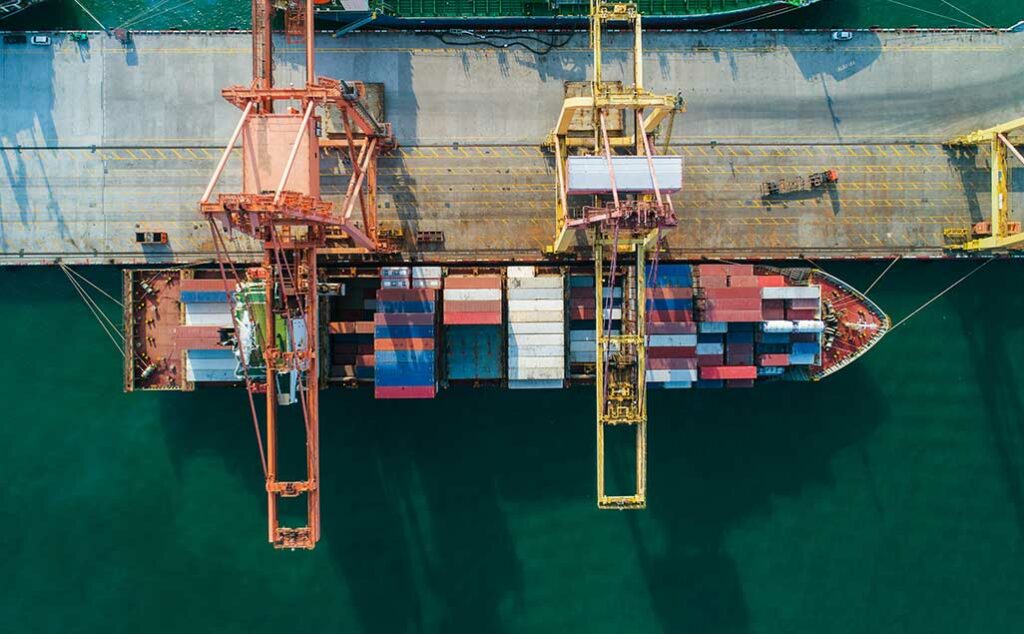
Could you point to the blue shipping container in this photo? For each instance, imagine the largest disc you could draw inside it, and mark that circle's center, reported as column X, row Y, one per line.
column 803, row 348
column 669, row 304
column 204, row 297
column 389, row 377
column 474, row 352
column 404, row 357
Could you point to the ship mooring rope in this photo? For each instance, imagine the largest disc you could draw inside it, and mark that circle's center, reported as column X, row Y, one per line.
column 882, row 274
column 938, row 15
column 956, row 8
column 105, row 322
column 946, row 290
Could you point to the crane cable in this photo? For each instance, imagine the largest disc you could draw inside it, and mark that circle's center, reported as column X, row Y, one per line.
column 105, row 322
column 946, row 290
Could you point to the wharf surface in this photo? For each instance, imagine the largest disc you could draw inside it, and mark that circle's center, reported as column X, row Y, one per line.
column 99, row 141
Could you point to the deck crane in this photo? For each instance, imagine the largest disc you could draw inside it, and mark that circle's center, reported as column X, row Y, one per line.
column 998, row 232
column 275, row 305
column 628, row 224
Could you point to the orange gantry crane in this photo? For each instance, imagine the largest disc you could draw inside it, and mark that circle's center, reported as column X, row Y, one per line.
column 274, row 306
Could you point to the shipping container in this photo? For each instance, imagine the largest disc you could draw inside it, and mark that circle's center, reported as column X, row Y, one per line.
column 725, row 269
column 463, row 318
column 403, row 319
column 472, row 294
column 454, row 282
column 520, row 271
column 536, row 328
column 474, row 352
column 550, row 384
column 664, row 376
column 672, row 340
column 404, row 391
column 773, row 360
column 206, row 366
column 206, row 297
column 544, row 281
column 728, row 372
column 677, row 328
column 592, row 174
column 791, row 292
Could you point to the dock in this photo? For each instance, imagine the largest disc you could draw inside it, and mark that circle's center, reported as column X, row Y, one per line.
column 99, row 141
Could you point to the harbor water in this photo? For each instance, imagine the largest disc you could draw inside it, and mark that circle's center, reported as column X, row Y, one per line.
column 888, row 497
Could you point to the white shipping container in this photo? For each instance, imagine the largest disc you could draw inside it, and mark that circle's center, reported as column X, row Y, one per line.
column 521, row 352
column 208, row 314
column 472, row 294
column 535, row 293
column 426, row 283
column 544, row 281
column 671, row 376
column 591, row 175
column 535, row 384
column 808, row 326
column 520, row 271
column 535, row 340
column 394, row 282
column 535, row 362
column 576, row 346
column 211, row 366
column 535, row 304
column 791, row 292
column 394, row 271
column 683, row 341
column 543, row 327
column 535, row 316
column 426, row 272
column 777, row 326
column 518, row 374
column 710, row 348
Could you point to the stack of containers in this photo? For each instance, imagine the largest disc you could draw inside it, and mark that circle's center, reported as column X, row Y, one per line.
column 205, row 303
column 403, row 344
column 396, row 277
column 426, row 277
column 350, row 330
column 672, row 339
column 730, row 304
column 536, row 329
column 473, row 320
column 797, row 337
column 583, row 321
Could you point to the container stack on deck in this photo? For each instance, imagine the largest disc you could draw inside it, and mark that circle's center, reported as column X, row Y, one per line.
column 351, row 330
column 583, row 320
column 473, row 332
column 671, row 330
column 791, row 334
column 206, row 309
column 730, row 305
column 403, row 339
column 536, row 329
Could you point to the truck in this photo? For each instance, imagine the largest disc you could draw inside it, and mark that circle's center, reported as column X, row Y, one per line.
column 799, row 183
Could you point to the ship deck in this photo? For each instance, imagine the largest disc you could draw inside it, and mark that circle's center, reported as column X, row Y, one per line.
column 124, row 140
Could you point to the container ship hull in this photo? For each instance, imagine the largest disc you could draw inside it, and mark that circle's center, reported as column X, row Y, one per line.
column 523, row 14
column 409, row 331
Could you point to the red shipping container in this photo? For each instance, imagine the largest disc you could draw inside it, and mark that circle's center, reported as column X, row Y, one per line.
column 670, row 292
column 672, row 352
column 403, row 319
column 670, row 315
column 740, row 383
column 472, row 281
column 425, row 391
column 733, row 315
column 773, row 314
column 803, row 304
column 670, row 363
column 709, row 359
column 780, row 359
column 406, row 294
column 738, row 348
column 581, row 293
column 797, row 314
column 743, row 281
column 412, row 343
column 473, row 306
column 470, row 319
column 750, row 303
column 214, row 284
column 728, row 372
column 733, row 293
column 672, row 328
column 713, row 281
column 766, row 281
column 725, row 269
column 774, row 303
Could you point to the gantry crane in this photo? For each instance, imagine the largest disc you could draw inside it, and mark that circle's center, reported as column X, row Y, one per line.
column 275, row 306
column 999, row 232
column 629, row 224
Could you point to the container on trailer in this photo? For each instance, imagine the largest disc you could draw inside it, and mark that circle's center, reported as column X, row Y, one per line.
column 592, row 175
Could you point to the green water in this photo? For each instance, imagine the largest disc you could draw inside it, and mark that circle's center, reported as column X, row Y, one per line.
column 889, row 498
column 226, row 14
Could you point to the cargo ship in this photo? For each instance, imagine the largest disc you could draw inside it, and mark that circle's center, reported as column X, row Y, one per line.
column 409, row 331
column 426, row 14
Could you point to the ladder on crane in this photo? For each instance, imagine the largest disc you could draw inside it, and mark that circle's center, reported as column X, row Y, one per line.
column 628, row 228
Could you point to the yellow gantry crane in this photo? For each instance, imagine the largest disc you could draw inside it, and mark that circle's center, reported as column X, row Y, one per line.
column 611, row 123
column 998, row 232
